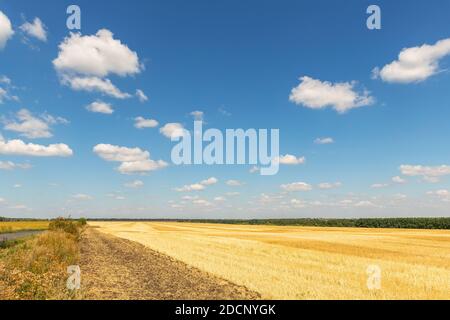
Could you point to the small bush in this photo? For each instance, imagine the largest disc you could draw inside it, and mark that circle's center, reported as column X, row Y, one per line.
column 69, row 226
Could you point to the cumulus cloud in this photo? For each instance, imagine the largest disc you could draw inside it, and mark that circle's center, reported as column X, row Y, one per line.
column 296, row 186
column 9, row 165
column 35, row 29
column 329, row 185
column 200, row 186
column 82, row 196
column 365, row 204
column 97, row 55
column 140, row 167
column 234, row 183
column 84, row 62
column 141, row 95
column 442, row 194
column 414, row 64
column 141, row 123
column 317, row 94
column 94, row 84
column 100, row 107
column 398, row 179
column 32, row 127
column 5, row 80
column 197, row 115
column 6, row 30
column 327, row 140
column 379, row 185
column 428, row 173
column 133, row 160
column 20, row 148
column 209, row 181
column 289, row 159
column 134, row 184
column 5, row 94
column 172, row 130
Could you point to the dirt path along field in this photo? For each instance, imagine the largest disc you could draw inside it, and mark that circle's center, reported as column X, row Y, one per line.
column 115, row 268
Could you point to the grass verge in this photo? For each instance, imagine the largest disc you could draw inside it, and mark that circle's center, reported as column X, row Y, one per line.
column 36, row 268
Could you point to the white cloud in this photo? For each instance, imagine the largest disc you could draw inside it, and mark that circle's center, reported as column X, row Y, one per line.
column 429, row 173
column 197, row 115
column 254, row 169
column 328, row 185
column 33, row 127
column 120, row 154
column 398, row 179
column 82, row 196
column 5, row 91
column 442, row 194
column 324, row 140
column 209, row 181
column 141, row 123
column 298, row 203
column 141, row 95
column 94, row 84
column 143, row 166
column 379, row 185
column 35, row 29
column 296, row 186
column 6, row 31
column 100, row 107
column 317, row 94
column 84, row 62
column 202, row 202
column 191, row 187
column 18, row 147
column 133, row 160
column 234, row 183
column 134, row 184
column 172, row 130
column 415, row 64
column 365, row 204
column 198, row 186
column 400, row 196
column 5, row 80
column 289, row 159
column 96, row 55
column 9, row 165
column 220, row 199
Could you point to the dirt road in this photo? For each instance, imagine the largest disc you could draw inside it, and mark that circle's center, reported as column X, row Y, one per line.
column 114, row 268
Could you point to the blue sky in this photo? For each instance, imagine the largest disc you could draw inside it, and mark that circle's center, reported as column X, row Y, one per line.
column 237, row 63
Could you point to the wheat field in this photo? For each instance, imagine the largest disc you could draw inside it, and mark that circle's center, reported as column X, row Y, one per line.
column 305, row 262
column 15, row 226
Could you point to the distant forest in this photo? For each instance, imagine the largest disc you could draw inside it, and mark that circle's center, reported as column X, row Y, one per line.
column 402, row 223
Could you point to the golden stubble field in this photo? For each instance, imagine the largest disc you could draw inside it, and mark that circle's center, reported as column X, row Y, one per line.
column 15, row 226
column 305, row 262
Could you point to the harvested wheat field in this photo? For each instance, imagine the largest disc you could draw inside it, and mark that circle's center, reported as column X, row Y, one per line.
column 16, row 226
column 304, row 262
